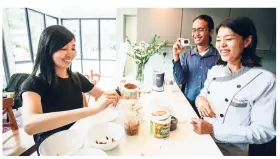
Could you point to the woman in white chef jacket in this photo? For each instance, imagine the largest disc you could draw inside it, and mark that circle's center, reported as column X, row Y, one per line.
column 238, row 99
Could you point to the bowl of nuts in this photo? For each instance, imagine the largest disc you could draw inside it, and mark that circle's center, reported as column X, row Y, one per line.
column 105, row 136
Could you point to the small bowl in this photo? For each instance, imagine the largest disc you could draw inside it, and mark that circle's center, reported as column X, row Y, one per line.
column 62, row 143
column 174, row 122
column 105, row 136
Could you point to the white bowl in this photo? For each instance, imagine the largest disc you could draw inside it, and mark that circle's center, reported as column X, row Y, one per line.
column 89, row 152
column 62, row 143
column 108, row 133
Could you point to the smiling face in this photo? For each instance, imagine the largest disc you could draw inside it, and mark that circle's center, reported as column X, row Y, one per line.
column 200, row 32
column 63, row 57
column 230, row 45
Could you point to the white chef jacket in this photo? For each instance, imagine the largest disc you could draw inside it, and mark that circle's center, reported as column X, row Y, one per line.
column 244, row 103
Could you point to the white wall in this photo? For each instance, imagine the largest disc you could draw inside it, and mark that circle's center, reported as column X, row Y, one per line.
column 131, row 33
column 121, row 13
column 130, row 27
column 164, row 22
column 264, row 20
column 124, row 29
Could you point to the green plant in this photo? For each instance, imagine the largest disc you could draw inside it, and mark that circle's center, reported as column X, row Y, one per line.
column 142, row 52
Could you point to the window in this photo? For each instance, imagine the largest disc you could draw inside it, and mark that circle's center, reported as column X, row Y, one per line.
column 98, row 37
column 25, row 67
column 76, row 65
column 51, row 21
column 90, row 65
column 21, row 38
column 108, row 39
column 36, row 23
column 108, row 68
column 73, row 26
column 90, row 47
column 18, row 32
column 90, row 39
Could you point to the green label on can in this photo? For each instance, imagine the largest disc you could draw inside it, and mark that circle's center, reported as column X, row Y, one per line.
column 159, row 130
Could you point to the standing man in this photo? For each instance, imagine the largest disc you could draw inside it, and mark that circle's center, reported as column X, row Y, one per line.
column 190, row 68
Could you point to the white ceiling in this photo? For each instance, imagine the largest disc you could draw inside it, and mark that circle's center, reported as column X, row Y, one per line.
column 80, row 12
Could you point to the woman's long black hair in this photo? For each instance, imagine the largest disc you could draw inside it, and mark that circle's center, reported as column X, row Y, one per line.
column 52, row 39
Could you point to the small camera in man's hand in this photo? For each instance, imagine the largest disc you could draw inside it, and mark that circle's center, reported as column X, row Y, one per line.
column 185, row 42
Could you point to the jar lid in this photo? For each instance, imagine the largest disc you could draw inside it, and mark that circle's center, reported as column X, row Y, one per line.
column 160, row 115
column 130, row 87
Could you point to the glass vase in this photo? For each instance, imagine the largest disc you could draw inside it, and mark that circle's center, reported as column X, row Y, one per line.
column 140, row 73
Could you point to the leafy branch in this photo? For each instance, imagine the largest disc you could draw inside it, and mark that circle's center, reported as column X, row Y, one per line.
column 142, row 52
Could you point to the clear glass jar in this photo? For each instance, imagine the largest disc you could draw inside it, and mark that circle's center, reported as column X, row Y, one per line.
column 132, row 118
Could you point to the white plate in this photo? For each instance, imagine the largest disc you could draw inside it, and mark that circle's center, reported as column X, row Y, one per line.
column 62, row 143
column 109, row 114
column 89, row 152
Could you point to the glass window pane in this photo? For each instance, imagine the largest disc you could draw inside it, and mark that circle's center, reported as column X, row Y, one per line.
column 36, row 22
column 19, row 36
column 90, row 39
column 73, row 26
column 107, row 83
column 76, row 66
column 50, row 21
column 24, row 67
column 89, row 65
column 108, row 39
column 108, row 68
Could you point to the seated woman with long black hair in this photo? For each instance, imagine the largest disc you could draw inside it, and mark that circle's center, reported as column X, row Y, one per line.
column 52, row 99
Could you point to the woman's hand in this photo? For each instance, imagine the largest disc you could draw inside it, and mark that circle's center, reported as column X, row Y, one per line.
column 204, row 108
column 201, row 126
column 106, row 99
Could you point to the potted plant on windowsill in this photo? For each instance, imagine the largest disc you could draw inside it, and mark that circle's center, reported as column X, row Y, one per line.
column 142, row 52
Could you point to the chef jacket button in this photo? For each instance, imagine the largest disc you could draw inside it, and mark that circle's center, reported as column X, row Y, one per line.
column 208, row 92
column 214, row 78
column 221, row 115
column 226, row 100
column 238, row 86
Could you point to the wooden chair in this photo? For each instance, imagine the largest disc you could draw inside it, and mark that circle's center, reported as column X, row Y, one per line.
column 8, row 104
column 15, row 142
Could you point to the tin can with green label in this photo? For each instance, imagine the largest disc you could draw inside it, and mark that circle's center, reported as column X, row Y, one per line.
column 160, row 124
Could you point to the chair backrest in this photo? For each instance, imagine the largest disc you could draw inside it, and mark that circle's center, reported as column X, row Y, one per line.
column 14, row 86
column 15, row 82
column 8, row 104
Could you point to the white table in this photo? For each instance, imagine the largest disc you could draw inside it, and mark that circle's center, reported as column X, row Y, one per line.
column 181, row 142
